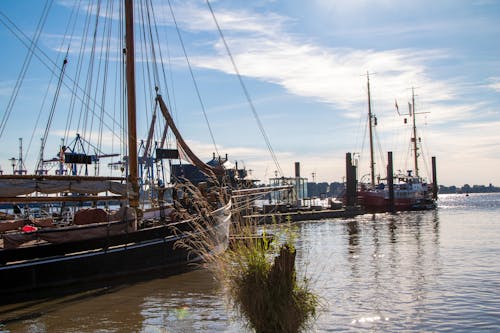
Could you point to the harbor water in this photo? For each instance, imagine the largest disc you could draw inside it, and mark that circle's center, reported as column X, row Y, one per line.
column 433, row 271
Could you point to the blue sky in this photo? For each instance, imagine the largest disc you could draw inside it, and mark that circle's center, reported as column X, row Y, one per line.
column 304, row 65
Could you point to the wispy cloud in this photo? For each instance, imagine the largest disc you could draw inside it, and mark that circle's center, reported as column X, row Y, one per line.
column 332, row 75
column 192, row 17
column 329, row 75
column 495, row 83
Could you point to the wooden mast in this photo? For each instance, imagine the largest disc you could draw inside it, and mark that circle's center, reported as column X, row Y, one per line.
column 370, row 116
column 414, row 139
column 131, row 103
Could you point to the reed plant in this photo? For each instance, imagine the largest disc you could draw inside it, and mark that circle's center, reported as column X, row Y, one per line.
column 257, row 273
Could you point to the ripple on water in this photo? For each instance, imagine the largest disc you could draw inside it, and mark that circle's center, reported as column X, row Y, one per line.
column 435, row 271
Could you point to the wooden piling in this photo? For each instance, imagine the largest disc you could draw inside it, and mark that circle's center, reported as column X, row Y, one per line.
column 434, row 179
column 350, row 182
column 390, row 181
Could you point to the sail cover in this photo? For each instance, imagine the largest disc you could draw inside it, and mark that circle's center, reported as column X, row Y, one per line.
column 16, row 187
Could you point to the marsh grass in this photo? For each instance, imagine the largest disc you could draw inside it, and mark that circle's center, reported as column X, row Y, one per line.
column 257, row 273
column 260, row 280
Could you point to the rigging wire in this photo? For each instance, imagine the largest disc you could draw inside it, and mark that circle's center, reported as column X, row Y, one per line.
column 165, row 141
column 72, row 18
column 146, row 72
column 163, row 71
column 50, row 64
column 149, row 31
column 52, row 110
column 245, row 90
column 78, row 73
column 381, row 152
column 123, row 88
column 109, row 11
column 84, row 116
column 151, row 22
column 193, row 78
column 116, row 90
column 25, row 65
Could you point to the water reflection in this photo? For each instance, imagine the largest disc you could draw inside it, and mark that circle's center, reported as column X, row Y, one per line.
column 353, row 231
column 190, row 302
column 405, row 272
column 390, row 266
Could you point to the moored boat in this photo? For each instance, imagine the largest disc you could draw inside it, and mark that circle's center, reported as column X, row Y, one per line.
column 83, row 246
column 410, row 191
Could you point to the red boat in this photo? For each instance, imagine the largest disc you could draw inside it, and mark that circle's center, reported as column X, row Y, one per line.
column 411, row 192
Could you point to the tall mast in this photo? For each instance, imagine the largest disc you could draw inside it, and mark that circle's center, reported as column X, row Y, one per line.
column 414, row 139
column 370, row 116
column 131, row 102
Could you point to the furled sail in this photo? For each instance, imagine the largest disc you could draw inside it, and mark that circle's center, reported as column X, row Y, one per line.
column 205, row 168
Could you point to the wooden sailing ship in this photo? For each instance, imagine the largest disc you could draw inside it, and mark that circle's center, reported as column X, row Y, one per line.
column 45, row 255
column 397, row 192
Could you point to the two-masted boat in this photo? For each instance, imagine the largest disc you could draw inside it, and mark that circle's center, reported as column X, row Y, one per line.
column 409, row 190
column 83, row 246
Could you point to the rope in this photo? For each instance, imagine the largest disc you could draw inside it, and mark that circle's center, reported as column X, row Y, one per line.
column 193, row 78
column 47, row 61
column 109, row 10
column 52, row 110
column 25, row 66
column 163, row 71
column 247, row 95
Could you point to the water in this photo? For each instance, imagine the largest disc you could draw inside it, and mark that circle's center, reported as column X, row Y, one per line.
column 435, row 271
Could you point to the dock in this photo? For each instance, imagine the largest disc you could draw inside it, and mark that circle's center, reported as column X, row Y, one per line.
column 304, row 215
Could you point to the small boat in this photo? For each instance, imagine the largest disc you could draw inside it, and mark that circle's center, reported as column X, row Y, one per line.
column 411, row 192
column 86, row 245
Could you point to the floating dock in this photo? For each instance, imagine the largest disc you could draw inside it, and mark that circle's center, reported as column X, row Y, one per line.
column 304, row 215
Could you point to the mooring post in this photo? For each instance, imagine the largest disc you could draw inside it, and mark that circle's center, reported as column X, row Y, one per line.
column 390, row 181
column 350, row 182
column 434, row 179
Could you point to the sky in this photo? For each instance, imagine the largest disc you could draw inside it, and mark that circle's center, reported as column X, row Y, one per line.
column 303, row 65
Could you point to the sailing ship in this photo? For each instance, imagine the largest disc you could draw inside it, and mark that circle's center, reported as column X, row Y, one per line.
column 84, row 246
column 410, row 190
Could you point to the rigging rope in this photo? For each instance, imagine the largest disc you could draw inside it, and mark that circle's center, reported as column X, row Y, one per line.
column 247, row 95
column 52, row 111
column 163, row 71
column 25, row 66
column 193, row 78
column 51, row 65
column 109, row 11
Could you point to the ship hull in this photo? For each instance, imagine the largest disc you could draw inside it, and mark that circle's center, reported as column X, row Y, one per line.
column 65, row 268
column 378, row 201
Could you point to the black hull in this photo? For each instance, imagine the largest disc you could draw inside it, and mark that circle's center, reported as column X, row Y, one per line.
column 70, row 267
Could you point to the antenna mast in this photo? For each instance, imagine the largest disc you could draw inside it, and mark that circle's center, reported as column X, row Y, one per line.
column 414, row 139
column 370, row 117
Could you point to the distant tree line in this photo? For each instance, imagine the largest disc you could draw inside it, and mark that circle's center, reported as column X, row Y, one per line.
column 469, row 189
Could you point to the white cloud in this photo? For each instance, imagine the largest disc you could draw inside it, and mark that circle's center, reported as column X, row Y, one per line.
column 192, row 17
column 334, row 76
column 305, row 68
column 495, row 83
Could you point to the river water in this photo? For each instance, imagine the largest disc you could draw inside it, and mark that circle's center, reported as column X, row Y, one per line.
column 436, row 271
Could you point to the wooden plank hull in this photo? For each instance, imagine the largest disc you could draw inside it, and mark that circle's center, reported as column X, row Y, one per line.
column 65, row 268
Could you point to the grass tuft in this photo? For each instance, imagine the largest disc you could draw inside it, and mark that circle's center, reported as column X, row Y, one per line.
column 257, row 273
